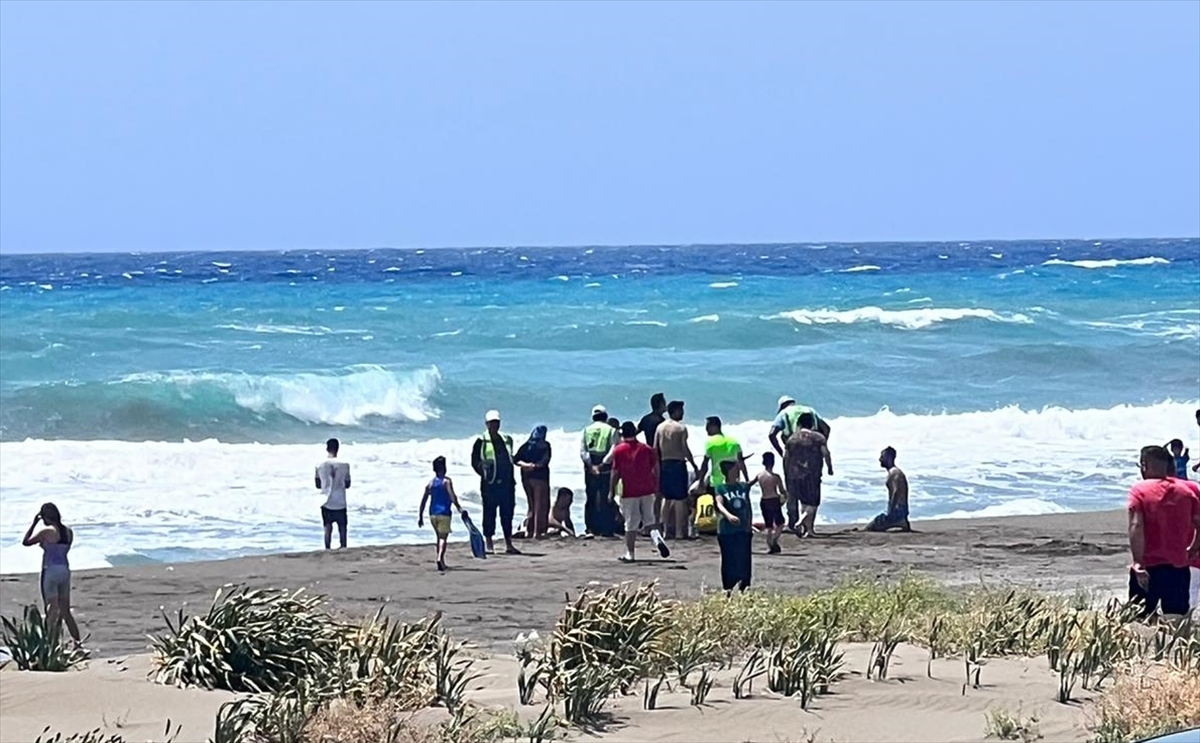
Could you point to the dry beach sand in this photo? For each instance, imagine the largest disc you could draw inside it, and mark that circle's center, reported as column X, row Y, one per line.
column 489, row 602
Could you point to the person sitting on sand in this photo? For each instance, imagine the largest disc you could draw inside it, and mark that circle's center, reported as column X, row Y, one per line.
column 333, row 480
column 896, row 516
column 635, row 470
column 55, row 539
column 560, row 514
column 533, row 458
column 735, row 528
column 1164, row 536
column 806, row 450
column 441, row 497
column 1180, row 454
column 771, row 505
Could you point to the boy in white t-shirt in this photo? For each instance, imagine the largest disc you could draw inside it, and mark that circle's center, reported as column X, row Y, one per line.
column 333, row 478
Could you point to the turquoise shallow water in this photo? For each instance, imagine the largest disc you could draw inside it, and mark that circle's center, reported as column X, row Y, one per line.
column 1005, row 348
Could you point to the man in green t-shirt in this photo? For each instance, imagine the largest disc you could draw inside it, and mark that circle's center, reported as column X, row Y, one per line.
column 717, row 449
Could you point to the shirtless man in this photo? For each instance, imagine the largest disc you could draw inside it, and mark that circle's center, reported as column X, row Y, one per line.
column 773, row 494
column 896, row 516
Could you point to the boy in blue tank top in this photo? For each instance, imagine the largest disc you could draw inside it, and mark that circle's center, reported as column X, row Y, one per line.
column 441, row 497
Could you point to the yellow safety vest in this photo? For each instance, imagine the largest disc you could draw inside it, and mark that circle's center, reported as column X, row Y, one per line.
column 791, row 418
column 488, row 452
column 598, row 437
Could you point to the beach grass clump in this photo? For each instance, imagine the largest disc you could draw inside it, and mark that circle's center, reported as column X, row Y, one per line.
column 389, row 722
column 248, row 641
column 603, row 643
column 1146, row 700
column 1004, row 725
column 37, row 644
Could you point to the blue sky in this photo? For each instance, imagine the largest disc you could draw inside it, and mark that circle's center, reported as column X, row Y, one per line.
column 222, row 125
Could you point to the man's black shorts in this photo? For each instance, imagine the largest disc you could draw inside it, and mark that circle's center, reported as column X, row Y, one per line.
column 1168, row 588
column 673, row 479
column 330, row 516
column 807, row 490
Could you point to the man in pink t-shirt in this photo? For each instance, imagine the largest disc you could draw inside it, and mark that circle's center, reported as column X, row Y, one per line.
column 635, row 468
column 1164, row 535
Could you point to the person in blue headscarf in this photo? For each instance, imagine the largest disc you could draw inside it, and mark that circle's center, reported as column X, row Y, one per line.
column 533, row 458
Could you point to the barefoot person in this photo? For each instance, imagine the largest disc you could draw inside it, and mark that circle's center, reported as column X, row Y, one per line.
column 1164, row 536
column 560, row 514
column 440, row 495
column 333, row 480
column 492, row 460
column 806, row 450
column 735, row 529
column 55, row 539
column 674, row 455
column 635, row 470
column 534, row 460
column 771, row 504
column 785, row 424
column 896, row 516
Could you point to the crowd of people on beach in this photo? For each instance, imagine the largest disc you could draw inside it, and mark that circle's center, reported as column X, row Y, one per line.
column 653, row 488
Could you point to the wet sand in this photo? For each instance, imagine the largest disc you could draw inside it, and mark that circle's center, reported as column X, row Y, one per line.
column 489, row 601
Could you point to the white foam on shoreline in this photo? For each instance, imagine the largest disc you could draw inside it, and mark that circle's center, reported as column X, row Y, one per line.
column 148, row 498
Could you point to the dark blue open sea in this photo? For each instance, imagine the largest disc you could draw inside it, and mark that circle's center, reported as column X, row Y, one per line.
column 175, row 404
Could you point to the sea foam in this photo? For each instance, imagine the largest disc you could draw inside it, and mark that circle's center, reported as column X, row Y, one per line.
column 910, row 319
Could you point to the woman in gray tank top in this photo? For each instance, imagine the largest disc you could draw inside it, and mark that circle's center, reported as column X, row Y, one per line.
column 55, row 540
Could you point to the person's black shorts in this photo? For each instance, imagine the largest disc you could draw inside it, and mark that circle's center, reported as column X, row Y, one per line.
column 807, row 490
column 1168, row 588
column 772, row 512
column 673, row 480
column 330, row 516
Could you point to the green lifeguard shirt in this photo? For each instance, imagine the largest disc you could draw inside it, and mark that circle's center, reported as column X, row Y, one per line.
column 720, row 448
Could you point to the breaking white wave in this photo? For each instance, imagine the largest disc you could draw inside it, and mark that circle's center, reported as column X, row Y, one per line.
column 706, row 318
column 860, row 269
column 1109, row 262
column 910, row 319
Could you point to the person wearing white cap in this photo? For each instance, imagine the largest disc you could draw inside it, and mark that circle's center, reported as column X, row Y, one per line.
column 598, row 440
column 492, row 460
column 785, row 424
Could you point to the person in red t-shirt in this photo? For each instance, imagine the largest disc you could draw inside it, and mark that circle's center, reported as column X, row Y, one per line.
column 1164, row 535
column 635, row 467
column 1194, row 568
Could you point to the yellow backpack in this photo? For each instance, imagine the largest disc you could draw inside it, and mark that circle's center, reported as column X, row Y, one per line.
column 706, row 514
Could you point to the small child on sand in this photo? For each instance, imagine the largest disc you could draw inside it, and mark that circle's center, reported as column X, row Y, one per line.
column 560, row 513
column 1180, row 454
column 771, row 505
column 440, row 495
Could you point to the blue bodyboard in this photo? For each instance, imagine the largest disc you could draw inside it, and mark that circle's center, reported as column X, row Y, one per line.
column 478, row 549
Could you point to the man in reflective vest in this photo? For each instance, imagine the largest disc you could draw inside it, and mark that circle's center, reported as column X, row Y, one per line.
column 492, row 459
column 598, row 439
column 785, row 424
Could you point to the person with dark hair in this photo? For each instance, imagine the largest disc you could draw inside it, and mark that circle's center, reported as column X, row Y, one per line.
column 55, row 539
column 560, row 514
column 649, row 423
column 787, row 419
column 735, row 529
column 598, row 440
column 717, row 449
column 534, row 460
column 440, row 495
column 492, row 460
column 1164, row 535
column 1179, row 454
column 773, row 492
column 806, row 450
column 674, row 454
column 333, row 480
column 896, row 516
column 635, row 473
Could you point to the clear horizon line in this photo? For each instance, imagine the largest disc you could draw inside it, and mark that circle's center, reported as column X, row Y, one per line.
column 601, row 246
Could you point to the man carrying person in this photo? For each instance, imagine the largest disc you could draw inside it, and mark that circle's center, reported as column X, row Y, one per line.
column 806, row 450
column 598, row 440
column 674, row 454
column 1164, row 536
column 333, row 480
column 785, row 424
column 492, row 460
column 896, row 516
column 635, row 469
